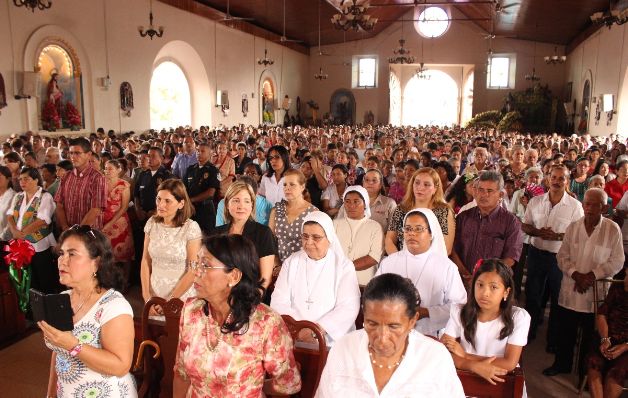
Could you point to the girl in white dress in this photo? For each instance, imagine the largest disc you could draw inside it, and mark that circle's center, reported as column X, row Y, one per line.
column 172, row 238
column 488, row 333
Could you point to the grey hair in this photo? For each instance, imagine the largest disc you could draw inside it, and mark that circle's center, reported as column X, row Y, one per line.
column 621, row 158
column 534, row 170
column 601, row 192
column 494, row 176
column 597, row 177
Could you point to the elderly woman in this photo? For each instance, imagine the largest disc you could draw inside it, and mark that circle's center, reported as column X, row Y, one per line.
column 29, row 217
column 238, row 213
column 424, row 261
column 388, row 354
column 360, row 237
column 318, row 283
column 95, row 357
column 172, row 239
column 608, row 363
column 424, row 191
column 228, row 340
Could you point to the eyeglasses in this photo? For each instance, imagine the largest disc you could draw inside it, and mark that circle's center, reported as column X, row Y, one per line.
column 83, row 229
column 202, row 266
column 315, row 238
column 418, row 229
column 274, row 157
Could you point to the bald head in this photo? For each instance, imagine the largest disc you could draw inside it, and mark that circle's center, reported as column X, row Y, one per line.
column 52, row 156
column 595, row 196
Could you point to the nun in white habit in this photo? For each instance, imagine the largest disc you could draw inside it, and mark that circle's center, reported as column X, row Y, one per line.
column 424, row 261
column 319, row 283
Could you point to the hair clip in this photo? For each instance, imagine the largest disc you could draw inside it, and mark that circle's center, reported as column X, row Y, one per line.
column 477, row 266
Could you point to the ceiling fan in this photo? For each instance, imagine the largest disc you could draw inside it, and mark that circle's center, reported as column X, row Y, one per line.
column 503, row 9
column 229, row 18
column 320, row 52
column 283, row 38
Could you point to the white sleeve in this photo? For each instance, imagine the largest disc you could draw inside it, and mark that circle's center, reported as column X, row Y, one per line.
column 115, row 307
column 281, row 300
column 12, row 206
column 326, row 194
column 519, row 335
column 528, row 217
column 262, row 187
column 334, row 361
column 615, row 260
column 623, row 203
column 454, row 293
column 563, row 257
column 46, row 208
column 341, row 319
column 454, row 326
column 377, row 241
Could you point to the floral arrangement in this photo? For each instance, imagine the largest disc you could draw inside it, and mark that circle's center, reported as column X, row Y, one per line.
column 50, row 117
column 510, row 121
column 19, row 258
column 73, row 116
column 485, row 119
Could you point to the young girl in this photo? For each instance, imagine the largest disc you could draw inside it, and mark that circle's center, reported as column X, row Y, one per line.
column 491, row 331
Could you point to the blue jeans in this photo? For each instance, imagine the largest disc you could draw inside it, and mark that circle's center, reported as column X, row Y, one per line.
column 543, row 273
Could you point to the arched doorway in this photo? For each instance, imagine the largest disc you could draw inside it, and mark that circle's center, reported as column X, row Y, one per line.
column 170, row 102
column 432, row 101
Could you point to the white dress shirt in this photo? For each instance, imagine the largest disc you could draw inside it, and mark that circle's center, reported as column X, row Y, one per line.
column 602, row 253
column 427, row 370
column 541, row 214
column 45, row 212
column 436, row 278
column 272, row 189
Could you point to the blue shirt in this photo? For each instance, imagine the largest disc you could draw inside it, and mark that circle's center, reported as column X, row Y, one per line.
column 181, row 163
column 262, row 211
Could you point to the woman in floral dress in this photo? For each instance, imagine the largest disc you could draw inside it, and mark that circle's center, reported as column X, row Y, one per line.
column 117, row 227
column 228, row 340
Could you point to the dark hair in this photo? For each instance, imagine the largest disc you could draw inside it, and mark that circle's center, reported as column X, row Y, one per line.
column 82, row 142
column 620, row 163
column 34, row 174
column 177, row 189
column 236, row 251
column 285, row 158
column 13, row 157
column 341, row 167
column 423, row 217
column 451, row 174
column 108, row 275
column 393, row 287
column 51, row 168
column 4, row 170
column 599, row 164
column 66, row 165
column 412, row 162
column 117, row 145
column 469, row 312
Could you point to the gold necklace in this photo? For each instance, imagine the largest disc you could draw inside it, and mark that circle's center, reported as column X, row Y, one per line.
column 389, row 367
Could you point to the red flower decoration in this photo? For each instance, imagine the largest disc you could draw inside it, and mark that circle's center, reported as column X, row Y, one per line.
column 477, row 266
column 20, row 253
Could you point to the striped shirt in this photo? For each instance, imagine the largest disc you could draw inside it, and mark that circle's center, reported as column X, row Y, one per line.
column 80, row 192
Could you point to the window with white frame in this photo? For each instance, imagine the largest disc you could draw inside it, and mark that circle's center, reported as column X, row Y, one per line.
column 367, row 69
column 501, row 71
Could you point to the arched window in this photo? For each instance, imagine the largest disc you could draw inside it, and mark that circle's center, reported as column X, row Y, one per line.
column 170, row 103
column 431, row 21
column 431, row 101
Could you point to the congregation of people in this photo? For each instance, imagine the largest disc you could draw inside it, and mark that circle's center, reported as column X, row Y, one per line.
column 450, row 244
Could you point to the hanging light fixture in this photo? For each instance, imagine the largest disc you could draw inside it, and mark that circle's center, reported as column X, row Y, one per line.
column 533, row 77
column 555, row 59
column 610, row 17
column 353, row 16
column 33, row 4
column 422, row 71
column 321, row 75
column 401, row 54
column 151, row 31
column 265, row 61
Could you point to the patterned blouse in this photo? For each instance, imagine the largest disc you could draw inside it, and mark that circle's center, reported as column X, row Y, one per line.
column 396, row 223
column 236, row 367
column 288, row 234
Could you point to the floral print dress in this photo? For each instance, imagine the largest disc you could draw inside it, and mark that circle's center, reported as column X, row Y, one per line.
column 120, row 232
column 237, row 365
column 74, row 378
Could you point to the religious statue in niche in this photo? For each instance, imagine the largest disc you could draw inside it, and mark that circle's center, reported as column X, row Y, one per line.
column 55, row 115
column 126, row 98
column 3, row 94
column 342, row 107
column 369, row 117
column 245, row 104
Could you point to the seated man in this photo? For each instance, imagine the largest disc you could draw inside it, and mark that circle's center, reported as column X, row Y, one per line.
column 319, row 283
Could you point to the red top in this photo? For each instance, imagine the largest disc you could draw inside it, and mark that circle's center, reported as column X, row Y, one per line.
column 615, row 190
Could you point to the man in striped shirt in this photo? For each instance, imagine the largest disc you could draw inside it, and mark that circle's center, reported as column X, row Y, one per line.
column 82, row 194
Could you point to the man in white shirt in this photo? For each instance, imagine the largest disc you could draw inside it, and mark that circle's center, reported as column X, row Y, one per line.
column 592, row 249
column 546, row 219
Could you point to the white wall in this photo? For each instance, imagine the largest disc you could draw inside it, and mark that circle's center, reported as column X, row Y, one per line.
column 603, row 58
column 191, row 40
column 463, row 43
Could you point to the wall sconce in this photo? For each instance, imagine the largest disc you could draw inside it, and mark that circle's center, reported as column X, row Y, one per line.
column 222, row 101
column 608, row 101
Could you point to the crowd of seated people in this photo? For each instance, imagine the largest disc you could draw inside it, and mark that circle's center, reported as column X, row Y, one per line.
column 434, row 226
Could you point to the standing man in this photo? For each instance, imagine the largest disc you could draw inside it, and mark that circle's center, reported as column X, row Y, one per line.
column 186, row 158
column 82, row 195
column 486, row 230
column 201, row 182
column 145, row 192
column 592, row 249
column 546, row 219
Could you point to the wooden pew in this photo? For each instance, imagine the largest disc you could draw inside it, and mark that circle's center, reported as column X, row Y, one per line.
column 476, row 386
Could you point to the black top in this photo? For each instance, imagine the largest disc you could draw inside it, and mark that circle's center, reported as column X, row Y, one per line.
column 240, row 165
column 199, row 179
column 146, row 187
column 261, row 236
column 315, row 192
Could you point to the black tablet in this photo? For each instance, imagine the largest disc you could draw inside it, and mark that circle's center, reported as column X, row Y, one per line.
column 55, row 309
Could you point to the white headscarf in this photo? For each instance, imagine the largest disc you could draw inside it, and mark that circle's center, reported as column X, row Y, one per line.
column 365, row 196
column 327, row 224
column 438, row 241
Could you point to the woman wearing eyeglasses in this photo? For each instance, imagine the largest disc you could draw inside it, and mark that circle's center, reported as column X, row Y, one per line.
column 29, row 217
column 424, row 261
column 92, row 360
column 277, row 163
column 319, row 283
column 172, row 239
column 228, row 341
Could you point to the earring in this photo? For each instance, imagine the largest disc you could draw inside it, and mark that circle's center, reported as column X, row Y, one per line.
column 94, row 274
column 229, row 284
column 505, row 298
